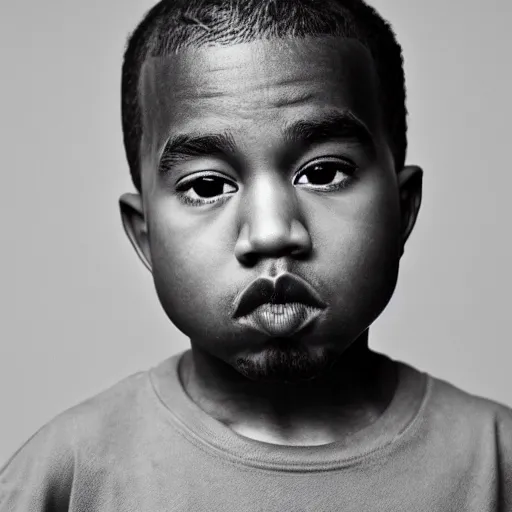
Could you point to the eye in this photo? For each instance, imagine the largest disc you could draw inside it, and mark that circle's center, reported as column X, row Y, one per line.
column 326, row 175
column 205, row 189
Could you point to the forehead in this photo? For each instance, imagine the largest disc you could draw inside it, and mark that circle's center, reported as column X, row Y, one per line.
column 261, row 83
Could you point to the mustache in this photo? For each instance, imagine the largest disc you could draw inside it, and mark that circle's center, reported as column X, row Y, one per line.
column 286, row 288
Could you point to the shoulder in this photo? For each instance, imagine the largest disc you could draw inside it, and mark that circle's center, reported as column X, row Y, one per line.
column 44, row 467
column 470, row 436
column 101, row 419
column 454, row 401
column 468, row 416
column 91, row 421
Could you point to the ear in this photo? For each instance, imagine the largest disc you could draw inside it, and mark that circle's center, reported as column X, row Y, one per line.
column 410, row 180
column 134, row 223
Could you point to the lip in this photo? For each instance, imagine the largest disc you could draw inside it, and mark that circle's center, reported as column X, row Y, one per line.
column 286, row 321
column 278, row 306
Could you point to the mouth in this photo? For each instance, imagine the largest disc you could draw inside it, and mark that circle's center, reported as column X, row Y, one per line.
column 280, row 306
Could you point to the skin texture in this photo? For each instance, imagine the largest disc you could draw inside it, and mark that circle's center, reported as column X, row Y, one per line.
column 272, row 217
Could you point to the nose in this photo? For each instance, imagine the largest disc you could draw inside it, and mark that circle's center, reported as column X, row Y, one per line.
column 271, row 223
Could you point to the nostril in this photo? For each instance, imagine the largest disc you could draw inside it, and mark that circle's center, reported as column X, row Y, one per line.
column 300, row 239
column 264, row 241
column 301, row 252
column 249, row 259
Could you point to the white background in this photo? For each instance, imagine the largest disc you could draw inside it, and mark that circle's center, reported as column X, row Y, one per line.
column 79, row 311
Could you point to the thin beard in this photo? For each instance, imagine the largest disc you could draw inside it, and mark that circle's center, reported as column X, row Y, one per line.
column 285, row 362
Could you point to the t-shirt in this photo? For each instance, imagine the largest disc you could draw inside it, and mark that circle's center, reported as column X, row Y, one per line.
column 145, row 446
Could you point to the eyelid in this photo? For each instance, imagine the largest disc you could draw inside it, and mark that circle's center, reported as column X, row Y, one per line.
column 328, row 159
column 211, row 172
column 175, row 163
column 201, row 174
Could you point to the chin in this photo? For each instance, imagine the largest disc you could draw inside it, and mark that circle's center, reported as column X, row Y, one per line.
column 284, row 360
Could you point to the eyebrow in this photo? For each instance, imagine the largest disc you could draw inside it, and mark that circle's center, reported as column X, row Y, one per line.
column 331, row 126
column 185, row 146
column 334, row 125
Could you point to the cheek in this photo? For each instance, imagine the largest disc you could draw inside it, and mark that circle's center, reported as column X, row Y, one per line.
column 379, row 231
column 359, row 247
column 361, row 223
column 187, row 258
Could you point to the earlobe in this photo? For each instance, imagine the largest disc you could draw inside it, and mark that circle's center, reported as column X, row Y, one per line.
column 410, row 180
column 135, row 227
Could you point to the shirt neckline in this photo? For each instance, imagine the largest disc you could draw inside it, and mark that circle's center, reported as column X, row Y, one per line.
column 208, row 433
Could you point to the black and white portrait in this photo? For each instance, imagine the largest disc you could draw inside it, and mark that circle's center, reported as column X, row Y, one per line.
column 256, row 256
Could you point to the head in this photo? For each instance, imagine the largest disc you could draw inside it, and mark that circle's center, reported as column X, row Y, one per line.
column 267, row 138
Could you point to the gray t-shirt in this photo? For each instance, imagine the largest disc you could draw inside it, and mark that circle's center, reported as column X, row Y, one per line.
column 144, row 446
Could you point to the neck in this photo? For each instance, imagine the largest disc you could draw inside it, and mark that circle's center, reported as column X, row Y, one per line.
column 352, row 395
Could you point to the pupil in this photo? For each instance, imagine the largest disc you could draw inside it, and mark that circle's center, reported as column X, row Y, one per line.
column 321, row 174
column 208, row 187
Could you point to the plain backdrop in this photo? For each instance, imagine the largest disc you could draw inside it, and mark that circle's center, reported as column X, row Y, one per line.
column 79, row 311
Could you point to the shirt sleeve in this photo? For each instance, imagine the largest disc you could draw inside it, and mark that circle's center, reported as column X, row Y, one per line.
column 39, row 476
column 504, row 440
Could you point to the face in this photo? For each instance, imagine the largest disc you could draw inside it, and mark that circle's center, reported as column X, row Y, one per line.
column 269, row 160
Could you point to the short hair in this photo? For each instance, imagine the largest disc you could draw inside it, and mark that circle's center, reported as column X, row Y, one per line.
column 173, row 25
